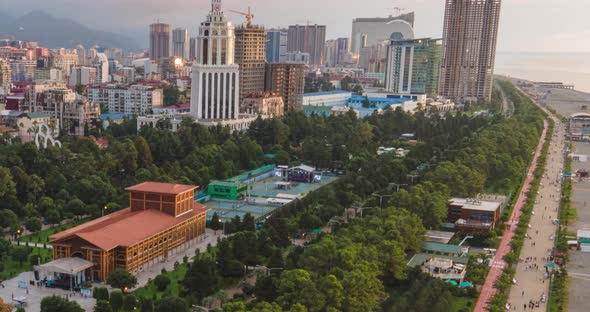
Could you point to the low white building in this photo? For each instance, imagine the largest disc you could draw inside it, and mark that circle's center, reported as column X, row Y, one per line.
column 173, row 122
column 329, row 98
column 134, row 99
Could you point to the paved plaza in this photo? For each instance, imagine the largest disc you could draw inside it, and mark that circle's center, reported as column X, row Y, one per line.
column 566, row 103
column 34, row 294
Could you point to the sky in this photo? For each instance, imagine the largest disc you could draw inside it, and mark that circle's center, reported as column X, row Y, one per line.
column 525, row 25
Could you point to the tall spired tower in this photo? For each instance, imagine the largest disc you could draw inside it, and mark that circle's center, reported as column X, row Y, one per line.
column 215, row 77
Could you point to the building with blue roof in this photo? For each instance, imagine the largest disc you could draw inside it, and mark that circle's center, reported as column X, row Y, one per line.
column 110, row 118
column 328, row 98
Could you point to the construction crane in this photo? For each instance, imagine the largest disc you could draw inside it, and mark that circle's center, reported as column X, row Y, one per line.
column 249, row 16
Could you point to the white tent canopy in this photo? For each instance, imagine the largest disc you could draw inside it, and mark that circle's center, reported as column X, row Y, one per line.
column 66, row 266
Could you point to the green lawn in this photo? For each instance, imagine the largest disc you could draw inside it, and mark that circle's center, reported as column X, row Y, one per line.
column 12, row 268
column 43, row 236
column 175, row 276
column 459, row 304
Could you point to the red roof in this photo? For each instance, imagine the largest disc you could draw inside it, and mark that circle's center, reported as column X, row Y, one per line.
column 161, row 188
column 126, row 228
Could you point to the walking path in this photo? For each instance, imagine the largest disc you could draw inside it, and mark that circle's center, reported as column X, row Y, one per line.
column 531, row 275
column 488, row 290
column 530, row 272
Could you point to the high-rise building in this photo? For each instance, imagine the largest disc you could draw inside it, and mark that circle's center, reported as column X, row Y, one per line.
column 64, row 59
column 215, row 77
column 276, row 45
column 192, row 51
column 133, row 100
column 413, row 66
column 469, row 49
column 82, row 55
column 82, row 75
column 342, row 48
column 369, row 31
column 159, row 40
column 101, row 63
column 23, row 70
column 180, row 43
column 5, row 74
column 310, row 39
column 249, row 55
column 330, row 53
column 373, row 59
column 288, row 81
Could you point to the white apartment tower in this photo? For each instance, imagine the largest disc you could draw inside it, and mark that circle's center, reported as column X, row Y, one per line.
column 215, row 77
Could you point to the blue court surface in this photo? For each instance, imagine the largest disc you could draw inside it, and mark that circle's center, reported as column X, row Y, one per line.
column 260, row 191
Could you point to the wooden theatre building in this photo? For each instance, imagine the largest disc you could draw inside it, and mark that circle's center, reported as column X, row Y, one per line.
column 161, row 218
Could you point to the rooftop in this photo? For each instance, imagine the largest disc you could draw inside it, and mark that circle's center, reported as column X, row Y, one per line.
column 126, row 228
column 420, row 258
column 114, row 116
column 439, row 236
column 444, row 248
column 481, row 205
column 161, row 188
column 327, row 93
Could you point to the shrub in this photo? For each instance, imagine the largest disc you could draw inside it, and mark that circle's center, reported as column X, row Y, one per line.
column 100, row 293
column 129, row 302
column 161, row 281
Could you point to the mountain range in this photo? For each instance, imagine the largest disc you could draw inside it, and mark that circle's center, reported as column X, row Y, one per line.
column 53, row 32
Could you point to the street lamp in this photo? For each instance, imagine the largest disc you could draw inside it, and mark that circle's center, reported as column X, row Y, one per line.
column 381, row 198
column 103, row 210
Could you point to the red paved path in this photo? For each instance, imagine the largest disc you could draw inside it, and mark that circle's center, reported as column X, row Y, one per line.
column 488, row 290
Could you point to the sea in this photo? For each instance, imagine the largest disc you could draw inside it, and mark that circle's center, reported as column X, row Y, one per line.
column 569, row 68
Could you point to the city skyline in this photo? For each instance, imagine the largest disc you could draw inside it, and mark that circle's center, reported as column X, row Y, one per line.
column 536, row 35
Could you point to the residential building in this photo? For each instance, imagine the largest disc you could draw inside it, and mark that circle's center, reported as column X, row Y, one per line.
column 101, row 63
column 162, row 220
column 23, row 70
column 64, row 59
column 192, row 51
column 128, row 99
column 180, row 43
column 469, row 49
column 288, row 81
column 298, row 57
column 310, row 39
column 73, row 111
column 5, row 74
column 276, row 45
column 128, row 74
column 373, row 59
column 369, row 31
column 159, row 40
column 413, row 66
column 329, row 98
column 330, row 53
column 474, row 215
column 49, row 74
column 82, row 75
column 249, row 55
column 263, row 104
column 82, row 55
